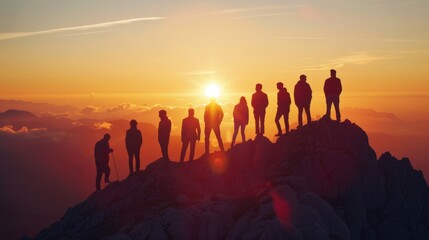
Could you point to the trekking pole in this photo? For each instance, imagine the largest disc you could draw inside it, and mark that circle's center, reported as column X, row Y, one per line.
column 113, row 158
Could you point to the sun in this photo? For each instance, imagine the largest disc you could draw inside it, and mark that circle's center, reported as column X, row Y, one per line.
column 212, row 91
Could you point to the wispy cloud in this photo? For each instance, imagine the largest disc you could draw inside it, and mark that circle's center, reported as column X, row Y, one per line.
column 128, row 107
column 257, row 12
column 90, row 110
column 103, row 125
column 88, row 33
column 358, row 58
column 10, row 130
column 305, row 11
column 11, row 35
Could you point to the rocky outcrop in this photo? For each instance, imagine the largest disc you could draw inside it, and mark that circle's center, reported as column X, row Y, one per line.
column 322, row 181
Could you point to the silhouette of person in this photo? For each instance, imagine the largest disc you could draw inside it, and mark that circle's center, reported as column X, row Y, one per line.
column 101, row 154
column 213, row 116
column 164, row 129
column 133, row 143
column 259, row 104
column 191, row 133
column 302, row 97
column 283, row 108
column 241, row 119
column 332, row 91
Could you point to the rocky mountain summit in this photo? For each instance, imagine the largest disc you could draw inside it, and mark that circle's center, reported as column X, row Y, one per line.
column 322, row 181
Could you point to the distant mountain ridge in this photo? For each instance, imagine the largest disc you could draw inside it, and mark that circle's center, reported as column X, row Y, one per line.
column 34, row 107
column 14, row 114
column 322, row 181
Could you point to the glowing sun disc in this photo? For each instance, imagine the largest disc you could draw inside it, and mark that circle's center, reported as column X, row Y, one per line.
column 212, row 91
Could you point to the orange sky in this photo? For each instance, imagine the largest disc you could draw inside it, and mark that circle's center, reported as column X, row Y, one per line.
column 112, row 52
column 89, row 47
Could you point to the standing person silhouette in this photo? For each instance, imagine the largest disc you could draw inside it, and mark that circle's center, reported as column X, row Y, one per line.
column 101, row 154
column 191, row 133
column 302, row 96
column 241, row 119
column 133, row 143
column 164, row 129
column 283, row 108
column 332, row 91
column 213, row 116
column 259, row 104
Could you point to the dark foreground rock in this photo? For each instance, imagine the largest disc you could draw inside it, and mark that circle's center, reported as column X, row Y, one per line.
column 322, row 181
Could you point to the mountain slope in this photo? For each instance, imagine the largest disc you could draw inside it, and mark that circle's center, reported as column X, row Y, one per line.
column 322, row 181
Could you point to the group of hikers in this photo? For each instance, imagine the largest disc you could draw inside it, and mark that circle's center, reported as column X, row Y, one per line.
column 213, row 116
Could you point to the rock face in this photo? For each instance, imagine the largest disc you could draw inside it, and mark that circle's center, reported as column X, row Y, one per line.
column 322, row 181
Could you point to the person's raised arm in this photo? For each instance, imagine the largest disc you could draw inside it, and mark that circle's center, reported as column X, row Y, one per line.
column 109, row 150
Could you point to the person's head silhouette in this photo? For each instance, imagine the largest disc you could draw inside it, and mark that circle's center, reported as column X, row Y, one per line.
column 258, row 87
column 133, row 123
column 333, row 73
column 279, row 85
column 303, row 78
column 243, row 100
column 191, row 112
column 162, row 114
column 106, row 137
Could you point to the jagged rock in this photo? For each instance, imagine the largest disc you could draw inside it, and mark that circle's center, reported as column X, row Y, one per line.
column 322, row 181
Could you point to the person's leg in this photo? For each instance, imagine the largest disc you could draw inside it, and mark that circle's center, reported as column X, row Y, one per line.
column 337, row 108
column 106, row 173
column 183, row 152
column 263, row 122
column 137, row 155
column 256, row 115
column 98, row 178
column 243, row 134
column 277, row 121
column 307, row 112
column 286, row 119
column 300, row 108
column 130, row 161
column 207, row 131
column 219, row 138
column 165, row 151
column 192, row 150
column 161, row 147
column 234, row 135
column 328, row 106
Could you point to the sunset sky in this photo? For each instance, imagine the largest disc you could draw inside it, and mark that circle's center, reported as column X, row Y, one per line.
column 110, row 53
column 131, row 48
